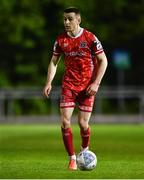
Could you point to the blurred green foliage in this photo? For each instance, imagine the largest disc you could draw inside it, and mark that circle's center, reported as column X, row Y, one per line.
column 29, row 28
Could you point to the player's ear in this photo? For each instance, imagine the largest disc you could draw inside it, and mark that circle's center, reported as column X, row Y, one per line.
column 79, row 18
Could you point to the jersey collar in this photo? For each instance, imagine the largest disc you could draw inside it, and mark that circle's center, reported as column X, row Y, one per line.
column 78, row 35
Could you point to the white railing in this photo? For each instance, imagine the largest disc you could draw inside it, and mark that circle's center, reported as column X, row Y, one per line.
column 121, row 95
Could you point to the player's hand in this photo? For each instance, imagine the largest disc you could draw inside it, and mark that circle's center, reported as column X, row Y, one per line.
column 47, row 89
column 92, row 89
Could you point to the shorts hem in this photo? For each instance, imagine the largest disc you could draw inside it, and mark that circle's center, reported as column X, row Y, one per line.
column 67, row 106
column 84, row 110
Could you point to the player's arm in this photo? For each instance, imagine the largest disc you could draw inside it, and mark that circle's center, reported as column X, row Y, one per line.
column 50, row 74
column 102, row 61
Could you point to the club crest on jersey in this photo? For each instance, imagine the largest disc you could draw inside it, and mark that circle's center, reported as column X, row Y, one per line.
column 83, row 44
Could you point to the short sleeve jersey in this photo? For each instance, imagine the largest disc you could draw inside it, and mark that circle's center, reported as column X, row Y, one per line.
column 79, row 58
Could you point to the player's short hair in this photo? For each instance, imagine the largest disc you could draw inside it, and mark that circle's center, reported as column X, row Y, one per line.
column 72, row 9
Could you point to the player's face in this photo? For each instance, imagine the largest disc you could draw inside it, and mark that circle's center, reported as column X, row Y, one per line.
column 71, row 21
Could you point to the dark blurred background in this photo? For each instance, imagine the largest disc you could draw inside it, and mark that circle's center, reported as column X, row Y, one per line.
column 28, row 29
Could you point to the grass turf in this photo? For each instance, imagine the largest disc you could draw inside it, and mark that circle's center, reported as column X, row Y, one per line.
column 37, row 151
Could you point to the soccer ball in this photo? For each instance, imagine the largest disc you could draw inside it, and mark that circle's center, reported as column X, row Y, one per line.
column 86, row 160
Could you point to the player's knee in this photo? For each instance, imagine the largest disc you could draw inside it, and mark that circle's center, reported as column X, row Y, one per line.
column 65, row 122
column 83, row 124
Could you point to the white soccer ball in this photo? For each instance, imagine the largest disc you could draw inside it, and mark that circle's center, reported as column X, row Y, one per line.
column 86, row 160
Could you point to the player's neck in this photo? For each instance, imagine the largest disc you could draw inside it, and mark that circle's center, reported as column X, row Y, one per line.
column 75, row 32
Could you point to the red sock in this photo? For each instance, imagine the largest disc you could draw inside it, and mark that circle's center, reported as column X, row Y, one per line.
column 68, row 140
column 85, row 135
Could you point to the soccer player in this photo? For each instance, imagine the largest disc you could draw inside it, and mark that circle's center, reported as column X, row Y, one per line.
column 85, row 64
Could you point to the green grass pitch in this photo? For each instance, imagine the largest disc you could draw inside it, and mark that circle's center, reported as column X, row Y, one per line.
column 37, row 152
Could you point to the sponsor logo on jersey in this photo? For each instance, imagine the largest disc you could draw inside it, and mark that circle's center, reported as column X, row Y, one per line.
column 73, row 53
